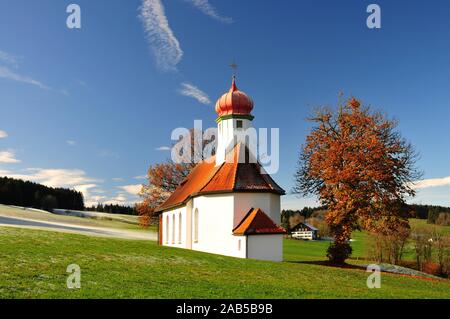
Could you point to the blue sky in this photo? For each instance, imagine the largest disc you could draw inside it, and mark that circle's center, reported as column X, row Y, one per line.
column 91, row 108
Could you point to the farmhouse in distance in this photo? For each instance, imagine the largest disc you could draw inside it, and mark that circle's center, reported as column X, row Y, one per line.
column 304, row 231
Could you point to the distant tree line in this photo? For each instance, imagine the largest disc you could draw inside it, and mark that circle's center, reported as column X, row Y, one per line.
column 434, row 214
column 315, row 216
column 438, row 215
column 28, row 194
column 113, row 209
column 291, row 218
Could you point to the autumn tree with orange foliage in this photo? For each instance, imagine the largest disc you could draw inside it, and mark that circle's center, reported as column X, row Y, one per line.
column 361, row 168
column 164, row 178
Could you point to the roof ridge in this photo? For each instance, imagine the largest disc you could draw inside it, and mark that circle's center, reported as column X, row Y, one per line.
column 244, row 218
column 264, row 176
column 257, row 222
column 235, row 172
column 268, row 179
column 212, row 177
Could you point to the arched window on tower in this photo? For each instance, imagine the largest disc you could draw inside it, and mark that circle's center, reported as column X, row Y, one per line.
column 173, row 229
column 196, row 226
column 179, row 228
column 167, row 229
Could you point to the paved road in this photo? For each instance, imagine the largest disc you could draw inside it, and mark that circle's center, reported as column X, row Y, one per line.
column 94, row 231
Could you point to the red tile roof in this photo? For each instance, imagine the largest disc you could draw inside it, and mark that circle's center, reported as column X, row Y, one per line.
column 231, row 176
column 256, row 222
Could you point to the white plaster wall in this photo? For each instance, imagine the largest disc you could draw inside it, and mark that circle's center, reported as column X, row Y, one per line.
column 188, row 224
column 180, row 242
column 218, row 216
column 242, row 253
column 215, row 233
column 265, row 247
column 226, row 131
column 268, row 202
column 275, row 208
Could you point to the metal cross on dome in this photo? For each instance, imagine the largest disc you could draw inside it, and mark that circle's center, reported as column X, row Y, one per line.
column 234, row 67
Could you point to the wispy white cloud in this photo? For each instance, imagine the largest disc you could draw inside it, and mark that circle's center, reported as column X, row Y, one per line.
column 432, row 182
column 3, row 134
column 132, row 189
column 117, row 179
column 71, row 143
column 85, row 189
column 119, row 199
column 432, row 196
column 165, row 45
column 205, row 7
column 93, row 200
column 9, row 74
column 69, row 178
column 128, row 195
column 77, row 179
column 141, row 177
column 108, row 153
column 9, row 59
column 55, row 177
column 8, row 157
column 163, row 148
column 190, row 90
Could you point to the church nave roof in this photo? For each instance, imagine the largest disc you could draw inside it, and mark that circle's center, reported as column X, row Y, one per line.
column 207, row 178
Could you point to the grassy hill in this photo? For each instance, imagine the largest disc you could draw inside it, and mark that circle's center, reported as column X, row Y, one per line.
column 33, row 265
column 39, row 215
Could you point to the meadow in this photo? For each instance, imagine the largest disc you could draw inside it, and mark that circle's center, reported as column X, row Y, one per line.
column 43, row 216
column 33, row 265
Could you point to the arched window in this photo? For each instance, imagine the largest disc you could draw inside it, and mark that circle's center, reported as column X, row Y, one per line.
column 196, row 226
column 173, row 229
column 167, row 229
column 179, row 228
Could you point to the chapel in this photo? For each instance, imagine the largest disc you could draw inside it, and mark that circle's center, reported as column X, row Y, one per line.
column 228, row 204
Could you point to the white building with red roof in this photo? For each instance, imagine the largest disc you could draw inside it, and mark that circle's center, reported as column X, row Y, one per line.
column 228, row 204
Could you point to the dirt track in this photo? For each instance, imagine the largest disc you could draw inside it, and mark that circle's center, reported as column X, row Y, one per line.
column 64, row 227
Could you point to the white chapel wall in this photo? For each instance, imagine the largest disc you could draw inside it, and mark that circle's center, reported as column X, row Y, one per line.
column 227, row 129
column 215, row 223
column 265, row 247
column 171, row 227
column 268, row 202
column 218, row 216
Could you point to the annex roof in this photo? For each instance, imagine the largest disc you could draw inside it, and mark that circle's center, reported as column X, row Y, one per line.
column 256, row 222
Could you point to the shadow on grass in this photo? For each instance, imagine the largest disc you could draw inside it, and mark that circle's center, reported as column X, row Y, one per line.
column 328, row 264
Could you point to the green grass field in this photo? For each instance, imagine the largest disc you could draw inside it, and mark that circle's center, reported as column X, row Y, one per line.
column 317, row 249
column 33, row 265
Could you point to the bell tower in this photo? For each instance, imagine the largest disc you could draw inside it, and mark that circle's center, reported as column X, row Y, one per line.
column 234, row 116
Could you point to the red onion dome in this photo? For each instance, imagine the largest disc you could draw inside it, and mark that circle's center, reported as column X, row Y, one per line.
column 234, row 102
